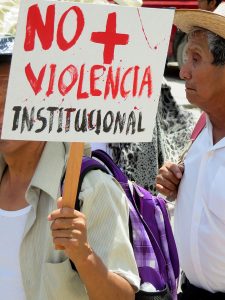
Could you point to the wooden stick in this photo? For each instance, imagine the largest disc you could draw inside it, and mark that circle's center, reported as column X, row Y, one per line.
column 72, row 177
column 72, row 174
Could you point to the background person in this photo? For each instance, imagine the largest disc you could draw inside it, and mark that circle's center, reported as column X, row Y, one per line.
column 141, row 161
column 209, row 5
column 200, row 205
column 32, row 224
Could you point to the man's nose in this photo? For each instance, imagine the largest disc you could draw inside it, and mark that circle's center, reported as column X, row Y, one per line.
column 185, row 71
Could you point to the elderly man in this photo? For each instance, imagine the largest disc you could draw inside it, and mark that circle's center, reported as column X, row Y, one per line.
column 200, row 204
column 96, row 239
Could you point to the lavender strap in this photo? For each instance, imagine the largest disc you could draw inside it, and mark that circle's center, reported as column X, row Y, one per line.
column 171, row 276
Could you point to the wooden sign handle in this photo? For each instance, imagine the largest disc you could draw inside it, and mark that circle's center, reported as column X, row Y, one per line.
column 72, row 174
column 72, row 177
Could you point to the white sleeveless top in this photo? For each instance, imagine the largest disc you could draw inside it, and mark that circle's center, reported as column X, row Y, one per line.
column 12, row 224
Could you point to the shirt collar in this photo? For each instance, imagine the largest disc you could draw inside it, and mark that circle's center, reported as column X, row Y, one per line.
column 51, row 167
column 218, row 145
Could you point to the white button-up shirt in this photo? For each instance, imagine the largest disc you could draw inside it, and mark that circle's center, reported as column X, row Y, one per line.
column 200, row 213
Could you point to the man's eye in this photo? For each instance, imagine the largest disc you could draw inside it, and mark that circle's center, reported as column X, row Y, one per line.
column 195, row 58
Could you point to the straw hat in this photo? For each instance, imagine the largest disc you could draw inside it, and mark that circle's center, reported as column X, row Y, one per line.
column 186, row 19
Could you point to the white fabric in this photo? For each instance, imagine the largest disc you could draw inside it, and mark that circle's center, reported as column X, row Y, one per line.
column 11, row 286
column 200, row 213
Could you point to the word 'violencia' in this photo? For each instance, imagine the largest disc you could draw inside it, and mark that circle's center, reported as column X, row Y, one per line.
column 62, row 120
column 113, row 83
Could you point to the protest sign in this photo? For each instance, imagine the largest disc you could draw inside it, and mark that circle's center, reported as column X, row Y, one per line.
column 83, row 72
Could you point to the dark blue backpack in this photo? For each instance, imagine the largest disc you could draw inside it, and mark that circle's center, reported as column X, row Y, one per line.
column 150, row 231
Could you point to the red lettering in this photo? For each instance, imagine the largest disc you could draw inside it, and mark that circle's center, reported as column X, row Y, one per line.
column 147, row 80
column 112, row 83
column 62, row 42
column 124, row 93
column 51, row 80
column 35, row 24
column 35, row 83
column 110, row 38
column 135, row 83
column 72, row 71
column 93, row 78
column 80, row 94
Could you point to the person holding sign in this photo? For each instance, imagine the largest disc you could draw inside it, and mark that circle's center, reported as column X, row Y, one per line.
column 74, row 77
column 33, row 225
column 198, row 185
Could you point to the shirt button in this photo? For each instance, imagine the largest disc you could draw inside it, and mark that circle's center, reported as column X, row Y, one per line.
column 210, row 153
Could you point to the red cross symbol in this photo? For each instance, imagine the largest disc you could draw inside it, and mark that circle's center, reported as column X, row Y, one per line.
column 110, row 38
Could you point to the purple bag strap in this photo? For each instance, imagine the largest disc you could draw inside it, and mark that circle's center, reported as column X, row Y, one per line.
column 88, row 164
column 122, row 179
column 170, row 237
column 113, row 168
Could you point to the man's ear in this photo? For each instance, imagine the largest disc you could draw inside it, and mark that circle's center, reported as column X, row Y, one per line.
column 212, row 5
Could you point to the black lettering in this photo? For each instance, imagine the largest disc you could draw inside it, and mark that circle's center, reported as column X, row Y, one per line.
column 17, row 110
column 68, row 115
column 98, row 122
column 107, row 127
column 41, row 119
column 91, row 126
column 60, row 120
column 27, row 119
column 139, row 129
column 83, row 126
column 119, row 121
column 52, row 110
column 131, row 123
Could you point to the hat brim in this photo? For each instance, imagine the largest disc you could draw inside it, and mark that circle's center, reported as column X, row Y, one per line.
column 186, row 19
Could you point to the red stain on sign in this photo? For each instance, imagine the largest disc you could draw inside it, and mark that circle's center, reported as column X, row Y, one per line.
column 142, row 27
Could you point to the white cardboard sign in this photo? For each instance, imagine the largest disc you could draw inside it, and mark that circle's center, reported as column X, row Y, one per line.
column 87, row 73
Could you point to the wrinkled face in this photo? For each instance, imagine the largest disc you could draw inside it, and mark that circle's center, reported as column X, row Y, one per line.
column 203, row 4
column 204, row 82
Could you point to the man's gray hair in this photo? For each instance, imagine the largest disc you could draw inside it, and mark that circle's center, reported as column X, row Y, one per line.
column 216, row 45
